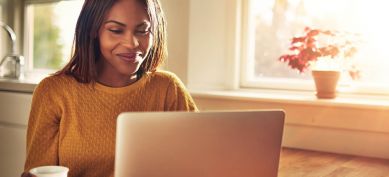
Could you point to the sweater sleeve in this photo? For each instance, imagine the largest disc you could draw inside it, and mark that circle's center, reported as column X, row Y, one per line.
column 43, row 128
column 177, row 96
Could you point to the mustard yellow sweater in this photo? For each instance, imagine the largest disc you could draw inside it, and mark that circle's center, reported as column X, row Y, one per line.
column 74, row 124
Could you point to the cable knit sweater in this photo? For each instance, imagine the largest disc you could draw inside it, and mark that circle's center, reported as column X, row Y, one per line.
column 74, row 124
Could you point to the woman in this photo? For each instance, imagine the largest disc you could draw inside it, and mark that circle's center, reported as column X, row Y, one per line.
column 118, row 46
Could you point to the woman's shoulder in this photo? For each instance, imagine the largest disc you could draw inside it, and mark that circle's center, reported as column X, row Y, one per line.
column 57, row 79
column 54, row 82
column 164, row 76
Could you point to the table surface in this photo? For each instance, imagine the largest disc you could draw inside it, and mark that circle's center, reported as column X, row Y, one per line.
column 304, row 163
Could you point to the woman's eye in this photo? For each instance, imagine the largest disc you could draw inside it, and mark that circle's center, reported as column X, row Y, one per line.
column 116, row 31
column 143, row 32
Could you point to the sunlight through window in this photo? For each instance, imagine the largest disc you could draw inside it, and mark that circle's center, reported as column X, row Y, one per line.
column 50, row 29
column 277, row 21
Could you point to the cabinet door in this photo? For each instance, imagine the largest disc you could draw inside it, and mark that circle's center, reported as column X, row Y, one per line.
column 15, row 107
column 14, row 111
column 12, row 150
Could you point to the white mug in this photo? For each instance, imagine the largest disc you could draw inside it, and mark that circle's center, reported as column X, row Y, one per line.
column 50, row 171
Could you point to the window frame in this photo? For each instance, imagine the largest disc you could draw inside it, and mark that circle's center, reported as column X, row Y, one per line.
column 27, row 22
column 247, row 57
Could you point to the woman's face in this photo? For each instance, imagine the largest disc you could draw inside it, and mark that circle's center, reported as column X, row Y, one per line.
column 125, row 40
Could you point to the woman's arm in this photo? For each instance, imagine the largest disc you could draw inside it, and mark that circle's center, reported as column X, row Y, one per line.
column 178, row 97
column 43, row 128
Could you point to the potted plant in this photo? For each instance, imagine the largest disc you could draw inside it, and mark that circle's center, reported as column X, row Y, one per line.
column 325, row 53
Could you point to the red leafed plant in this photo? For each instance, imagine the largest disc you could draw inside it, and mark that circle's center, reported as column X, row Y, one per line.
column 307, row 49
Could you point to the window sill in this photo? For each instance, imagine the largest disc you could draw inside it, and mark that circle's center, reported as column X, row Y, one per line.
column 297, row 97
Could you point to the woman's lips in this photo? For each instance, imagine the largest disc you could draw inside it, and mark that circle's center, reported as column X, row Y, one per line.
column 129, row 57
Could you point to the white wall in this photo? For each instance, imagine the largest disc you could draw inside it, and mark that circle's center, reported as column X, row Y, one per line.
column 213, row 44
column 203, row 42
column 177, row 15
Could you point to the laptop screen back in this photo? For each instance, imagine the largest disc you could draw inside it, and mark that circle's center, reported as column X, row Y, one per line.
column 199, row 144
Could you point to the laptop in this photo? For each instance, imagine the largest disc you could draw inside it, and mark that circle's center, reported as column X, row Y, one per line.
column 199, row 144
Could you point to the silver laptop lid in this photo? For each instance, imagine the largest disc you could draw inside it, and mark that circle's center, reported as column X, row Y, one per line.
column 199, row 144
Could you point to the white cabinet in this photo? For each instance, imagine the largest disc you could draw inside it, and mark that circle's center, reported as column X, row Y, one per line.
column 12, row 150
column 14, row 111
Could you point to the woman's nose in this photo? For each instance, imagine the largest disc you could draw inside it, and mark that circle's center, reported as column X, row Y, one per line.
column 130, row 41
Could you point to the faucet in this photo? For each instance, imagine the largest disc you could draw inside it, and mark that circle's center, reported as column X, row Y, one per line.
column 15, row 70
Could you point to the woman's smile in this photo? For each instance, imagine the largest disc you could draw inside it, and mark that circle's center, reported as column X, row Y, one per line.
column 130, row 57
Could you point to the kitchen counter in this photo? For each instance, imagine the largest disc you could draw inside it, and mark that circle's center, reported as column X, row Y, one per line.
column 24, row 85
column 14, row 85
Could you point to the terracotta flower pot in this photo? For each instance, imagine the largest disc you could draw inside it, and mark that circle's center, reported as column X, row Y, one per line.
column 326, row 83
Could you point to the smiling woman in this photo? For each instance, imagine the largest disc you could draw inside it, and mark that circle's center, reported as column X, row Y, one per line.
column 118, row 48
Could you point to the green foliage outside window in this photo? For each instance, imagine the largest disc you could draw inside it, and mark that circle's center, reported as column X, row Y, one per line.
column 47, row 47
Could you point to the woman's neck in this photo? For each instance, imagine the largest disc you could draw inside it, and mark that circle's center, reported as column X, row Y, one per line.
column 112, row 78
column 114, row 81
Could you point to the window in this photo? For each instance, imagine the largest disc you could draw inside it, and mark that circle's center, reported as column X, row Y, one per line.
column 49, row 31
column 270, row 24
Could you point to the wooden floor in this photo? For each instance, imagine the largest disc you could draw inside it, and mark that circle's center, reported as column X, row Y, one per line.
column 302, row 163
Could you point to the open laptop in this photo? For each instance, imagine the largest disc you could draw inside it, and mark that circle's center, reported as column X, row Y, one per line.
column 199, row 144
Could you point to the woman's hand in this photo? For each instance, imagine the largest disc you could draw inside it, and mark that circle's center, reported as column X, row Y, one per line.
column 26, row 174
